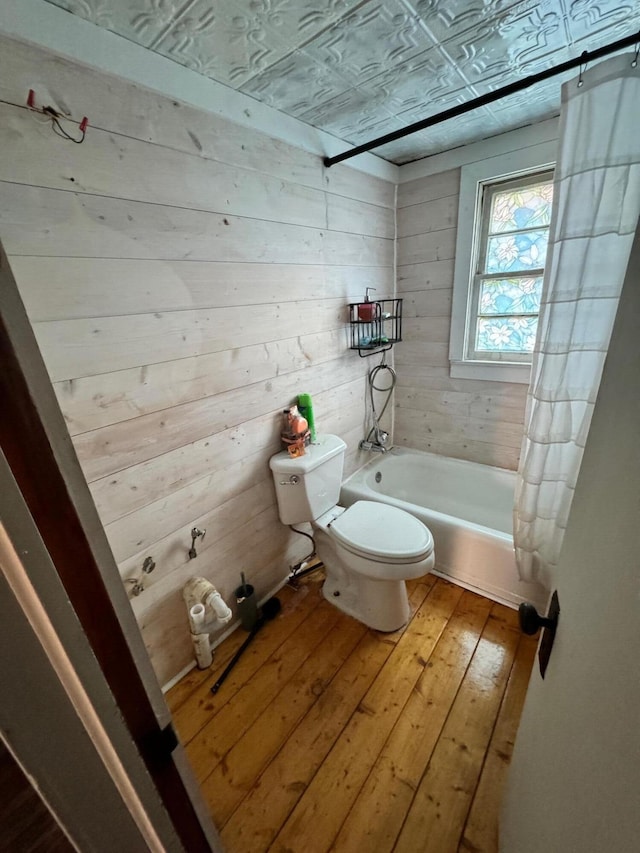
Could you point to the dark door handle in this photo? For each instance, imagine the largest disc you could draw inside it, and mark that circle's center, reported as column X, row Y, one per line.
column 531, row 622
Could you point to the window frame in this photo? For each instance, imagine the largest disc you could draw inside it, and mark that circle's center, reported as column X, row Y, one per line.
column 535, row 160
column 488, row 191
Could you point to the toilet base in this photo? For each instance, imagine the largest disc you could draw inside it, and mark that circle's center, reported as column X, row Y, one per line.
column 380, row 604
column 385, row 608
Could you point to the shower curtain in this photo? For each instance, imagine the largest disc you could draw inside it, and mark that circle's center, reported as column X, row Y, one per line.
column 595, row 212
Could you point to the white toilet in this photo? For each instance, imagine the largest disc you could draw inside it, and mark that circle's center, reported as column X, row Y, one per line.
column 368, row 550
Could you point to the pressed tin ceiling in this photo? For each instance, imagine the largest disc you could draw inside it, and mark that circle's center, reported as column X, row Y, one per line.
column 361, row 68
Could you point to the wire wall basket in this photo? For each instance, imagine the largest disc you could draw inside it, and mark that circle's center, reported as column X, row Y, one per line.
column 375, row 326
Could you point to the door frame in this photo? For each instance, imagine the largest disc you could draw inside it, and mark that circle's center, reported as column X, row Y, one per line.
column 38, row 449
column 46, row 719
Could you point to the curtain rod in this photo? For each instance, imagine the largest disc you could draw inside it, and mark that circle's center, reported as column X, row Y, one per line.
column 585, row 57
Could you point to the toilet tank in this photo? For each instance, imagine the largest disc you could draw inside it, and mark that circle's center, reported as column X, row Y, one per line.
column 319, row 477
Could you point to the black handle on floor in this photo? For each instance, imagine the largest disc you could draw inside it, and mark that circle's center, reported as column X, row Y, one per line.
column 234, row 660
column 270, row 610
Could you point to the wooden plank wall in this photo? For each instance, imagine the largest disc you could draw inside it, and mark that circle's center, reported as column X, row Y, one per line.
column 469, row 419
column 186, row 278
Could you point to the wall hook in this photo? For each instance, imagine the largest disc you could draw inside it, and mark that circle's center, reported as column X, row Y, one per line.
column 148, row 566
column 138, row 583
column 196, row 533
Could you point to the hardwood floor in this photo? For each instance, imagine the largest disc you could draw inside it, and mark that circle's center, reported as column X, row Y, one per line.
column 26, row 824
column 329, row 736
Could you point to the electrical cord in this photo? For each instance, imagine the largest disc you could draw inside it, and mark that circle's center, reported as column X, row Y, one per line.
column 60, row 131
column 54, row 117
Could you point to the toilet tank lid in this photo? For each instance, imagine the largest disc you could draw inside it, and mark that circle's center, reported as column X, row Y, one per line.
column 322, row 449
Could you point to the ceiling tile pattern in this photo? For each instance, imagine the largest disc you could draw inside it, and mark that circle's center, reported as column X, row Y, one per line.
column 361, row 68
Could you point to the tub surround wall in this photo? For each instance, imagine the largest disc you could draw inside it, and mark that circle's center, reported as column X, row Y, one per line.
column 185, row 278
column 477, row 420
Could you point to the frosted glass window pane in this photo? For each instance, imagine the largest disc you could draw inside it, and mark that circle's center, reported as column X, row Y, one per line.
column 506, row 334
column 513, row 210
column 510, row 296
column 516, row 252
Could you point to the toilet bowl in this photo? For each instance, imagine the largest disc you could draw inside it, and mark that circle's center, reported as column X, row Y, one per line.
column 369, row 550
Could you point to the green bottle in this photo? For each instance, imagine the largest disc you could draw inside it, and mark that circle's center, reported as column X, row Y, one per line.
column 305, row 407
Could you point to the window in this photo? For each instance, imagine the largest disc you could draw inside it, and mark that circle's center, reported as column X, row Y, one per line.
column 503, row 231
column 509, row 265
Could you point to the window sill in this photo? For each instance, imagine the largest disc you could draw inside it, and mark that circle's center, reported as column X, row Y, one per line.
column 495, row 371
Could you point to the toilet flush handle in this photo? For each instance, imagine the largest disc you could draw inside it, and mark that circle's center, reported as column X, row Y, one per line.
column 292, row 481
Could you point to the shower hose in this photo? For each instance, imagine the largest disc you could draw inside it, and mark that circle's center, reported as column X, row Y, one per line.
column 379, row 435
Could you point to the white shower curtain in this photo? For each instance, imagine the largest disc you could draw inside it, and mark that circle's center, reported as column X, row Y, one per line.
column 595, row 213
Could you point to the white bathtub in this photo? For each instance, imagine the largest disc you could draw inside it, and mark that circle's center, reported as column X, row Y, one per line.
column 468, row 508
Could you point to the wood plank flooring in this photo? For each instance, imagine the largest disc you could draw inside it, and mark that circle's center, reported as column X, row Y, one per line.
column 26, row 824
column 329, row 736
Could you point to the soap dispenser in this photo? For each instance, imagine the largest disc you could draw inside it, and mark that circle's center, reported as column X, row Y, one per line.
column 367, row 310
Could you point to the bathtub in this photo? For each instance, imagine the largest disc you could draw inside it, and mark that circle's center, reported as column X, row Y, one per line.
column 468, row 508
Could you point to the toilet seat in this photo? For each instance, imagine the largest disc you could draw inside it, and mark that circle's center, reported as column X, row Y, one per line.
column 382, row 533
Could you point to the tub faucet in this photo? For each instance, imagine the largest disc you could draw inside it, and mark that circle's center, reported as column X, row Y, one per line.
column 373, row 446
column 379, row 443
